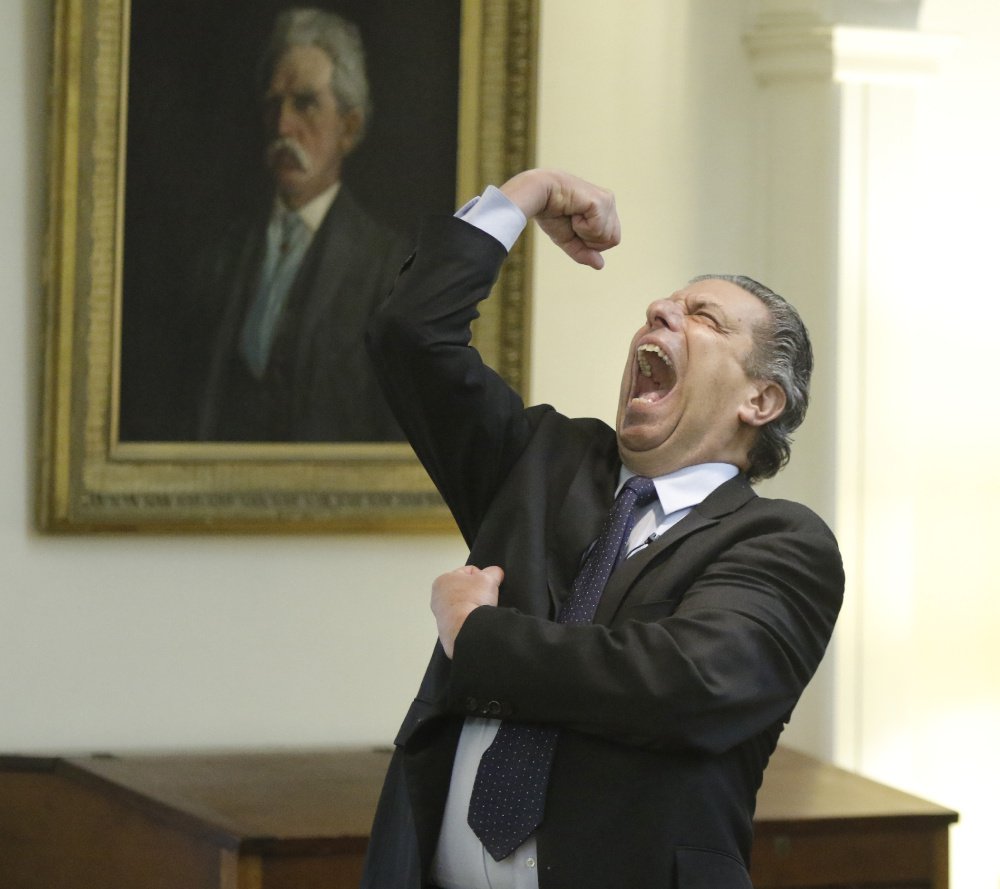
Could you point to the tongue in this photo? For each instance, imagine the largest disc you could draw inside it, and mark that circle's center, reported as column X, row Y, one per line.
column 650, row 397
column 650, row 389
column 660, row 381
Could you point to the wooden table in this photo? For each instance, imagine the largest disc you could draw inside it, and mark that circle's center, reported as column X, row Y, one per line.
column 300, row 821
column 817, row 825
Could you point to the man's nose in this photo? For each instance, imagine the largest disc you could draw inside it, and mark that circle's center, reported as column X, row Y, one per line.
column 280, row 116
column 286, row 118
column 665, row 313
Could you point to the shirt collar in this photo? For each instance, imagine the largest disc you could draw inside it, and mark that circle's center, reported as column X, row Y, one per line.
column 313, row 212
column 686, row 487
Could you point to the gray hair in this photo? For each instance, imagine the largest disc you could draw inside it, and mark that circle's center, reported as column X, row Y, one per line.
column 782, row 354
column 339, row 39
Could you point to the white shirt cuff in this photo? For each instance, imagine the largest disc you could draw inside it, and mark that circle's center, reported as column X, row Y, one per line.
column 494, row 214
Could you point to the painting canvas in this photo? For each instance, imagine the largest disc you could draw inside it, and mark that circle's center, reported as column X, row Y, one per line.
column 184, row 388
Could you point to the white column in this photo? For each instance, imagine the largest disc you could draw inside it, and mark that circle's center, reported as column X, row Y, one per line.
column 835, row 198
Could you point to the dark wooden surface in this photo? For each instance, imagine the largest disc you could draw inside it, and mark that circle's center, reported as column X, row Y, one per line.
column 300, row 820
column 821, row 826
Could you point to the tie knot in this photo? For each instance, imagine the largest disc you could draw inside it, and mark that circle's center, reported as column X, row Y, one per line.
column 292, row 228
column 642, row 488
column 290, row 223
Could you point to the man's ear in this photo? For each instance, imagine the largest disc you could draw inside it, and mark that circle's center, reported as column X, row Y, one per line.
column 351, row 123
column 766, row 403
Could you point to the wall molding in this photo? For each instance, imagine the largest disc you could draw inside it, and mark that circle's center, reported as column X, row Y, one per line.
column 845, row 54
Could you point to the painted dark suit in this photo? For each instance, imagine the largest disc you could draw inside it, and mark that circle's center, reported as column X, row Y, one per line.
column 318, row 385
column 671, row 703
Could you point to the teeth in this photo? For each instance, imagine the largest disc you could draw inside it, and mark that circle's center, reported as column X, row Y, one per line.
column 643, row 361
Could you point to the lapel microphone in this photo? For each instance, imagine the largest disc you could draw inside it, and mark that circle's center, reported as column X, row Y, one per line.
column 642, row 545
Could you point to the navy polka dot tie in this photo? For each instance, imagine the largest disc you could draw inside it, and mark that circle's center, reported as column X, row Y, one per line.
column 508, row 796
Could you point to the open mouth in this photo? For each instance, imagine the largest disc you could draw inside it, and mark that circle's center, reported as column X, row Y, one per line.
column 656, row 377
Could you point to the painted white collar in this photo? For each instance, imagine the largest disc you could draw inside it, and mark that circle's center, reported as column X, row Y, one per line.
column 314, row 211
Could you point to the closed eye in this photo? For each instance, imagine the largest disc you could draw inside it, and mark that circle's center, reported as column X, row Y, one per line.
column 305, row 101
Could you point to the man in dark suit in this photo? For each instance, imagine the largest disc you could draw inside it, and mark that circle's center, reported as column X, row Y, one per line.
column 294, row 288
column 615, row 741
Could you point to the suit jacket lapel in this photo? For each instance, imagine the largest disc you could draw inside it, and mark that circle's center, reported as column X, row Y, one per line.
column 578, row 520
column 725, row 499
column 320, row 279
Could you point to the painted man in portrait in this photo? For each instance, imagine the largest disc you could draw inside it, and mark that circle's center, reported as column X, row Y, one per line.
column 289, row 293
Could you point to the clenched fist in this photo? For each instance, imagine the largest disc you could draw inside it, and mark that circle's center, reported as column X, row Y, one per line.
column 456, row 594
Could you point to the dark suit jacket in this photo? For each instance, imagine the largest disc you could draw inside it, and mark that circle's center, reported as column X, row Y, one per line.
column 673, row 700
column 319, row 384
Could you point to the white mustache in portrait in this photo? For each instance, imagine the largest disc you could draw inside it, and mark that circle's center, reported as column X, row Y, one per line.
column 291, row 146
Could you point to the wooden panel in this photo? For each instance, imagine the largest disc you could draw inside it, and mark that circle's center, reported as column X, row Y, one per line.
column 799, row 789
column 313, row 872
column 238, row 871
column 294, row 796
column 56, row 833
column 818, row 825
column 843, row 858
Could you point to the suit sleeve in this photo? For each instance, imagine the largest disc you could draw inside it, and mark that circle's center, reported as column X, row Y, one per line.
column 466, row 425
column 706, row 673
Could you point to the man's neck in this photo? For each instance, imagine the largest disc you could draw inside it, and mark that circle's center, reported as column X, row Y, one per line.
column 314, row 210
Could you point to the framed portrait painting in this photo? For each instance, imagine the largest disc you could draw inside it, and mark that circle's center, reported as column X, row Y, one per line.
column 233, row 187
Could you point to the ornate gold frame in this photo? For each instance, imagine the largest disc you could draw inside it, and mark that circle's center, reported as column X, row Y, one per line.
column 88, row 479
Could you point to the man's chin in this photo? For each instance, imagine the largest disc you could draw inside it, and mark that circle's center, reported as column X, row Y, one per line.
column 288, row 178
column 634, row 446
column 638, row 431
column 293, row 191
